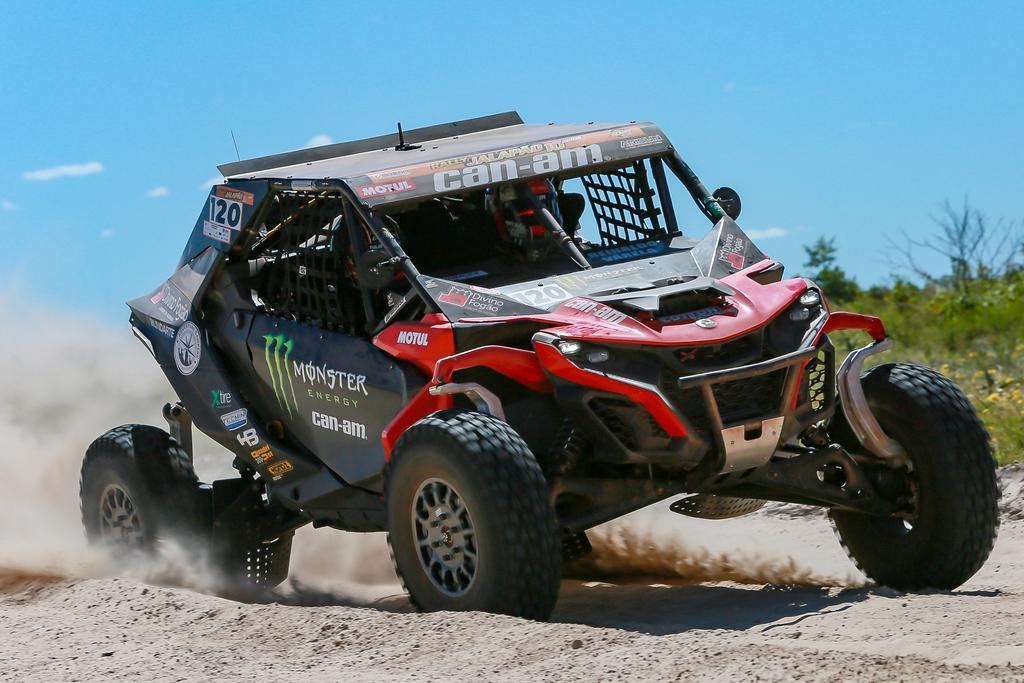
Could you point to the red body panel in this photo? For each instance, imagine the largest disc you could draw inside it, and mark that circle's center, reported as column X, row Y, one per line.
column 843, row 320
column 753, row 306
column 429, row 345
column 559, row 365
column 517, row 364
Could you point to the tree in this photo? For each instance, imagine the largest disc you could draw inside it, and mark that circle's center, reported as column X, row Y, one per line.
column 821, row 259
column 975, row 247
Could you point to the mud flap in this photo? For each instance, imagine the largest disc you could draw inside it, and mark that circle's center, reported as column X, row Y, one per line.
column 250, row 546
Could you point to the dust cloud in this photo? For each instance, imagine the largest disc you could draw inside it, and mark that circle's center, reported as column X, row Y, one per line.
column 67, row 378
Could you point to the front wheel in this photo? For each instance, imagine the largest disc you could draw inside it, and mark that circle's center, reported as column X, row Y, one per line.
column 469, row 522
column 950, row 484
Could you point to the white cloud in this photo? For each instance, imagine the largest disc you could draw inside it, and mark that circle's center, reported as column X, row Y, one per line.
column 64, row 170
column 106, row 233
column 210, row 182
column 767, row 233
column 8, row 205
column 159, row 191
column 319, row 140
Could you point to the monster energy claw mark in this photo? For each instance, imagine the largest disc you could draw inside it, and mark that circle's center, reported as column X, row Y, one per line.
column 274, row 344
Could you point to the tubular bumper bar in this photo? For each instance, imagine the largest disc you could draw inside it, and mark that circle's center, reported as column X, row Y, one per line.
column 855, row 404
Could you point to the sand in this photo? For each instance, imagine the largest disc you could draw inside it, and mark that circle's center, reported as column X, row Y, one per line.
column 770, row 596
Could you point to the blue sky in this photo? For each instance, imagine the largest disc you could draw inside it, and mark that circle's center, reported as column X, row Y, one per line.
column 853, row 120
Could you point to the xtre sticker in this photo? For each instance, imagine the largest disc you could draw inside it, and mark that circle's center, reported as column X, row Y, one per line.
column 224, row 212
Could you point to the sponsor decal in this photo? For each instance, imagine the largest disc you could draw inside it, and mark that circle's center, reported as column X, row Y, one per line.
column 262, row 454
column 697, row 315
column 388, row 175
column 731, row 249
column 284, row 372
column 165, row 330
column 248, row 438
column 188, row 348
column 220, row 398
column 506, row 169
column 228, row 192
column 500, row 154
column 235, row 419
column 413, row 338
column 330, row 378
column 598, row 310
column 346, row 427
column 171, row 301
column 378, row 189
column 224, row 213
column 464, row 297
column 279, row 469
column 216, row 232
column 645, row 141
column 277, row 349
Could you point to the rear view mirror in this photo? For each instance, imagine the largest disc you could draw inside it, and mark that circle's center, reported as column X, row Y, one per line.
column 729, row 200
column 376, row 269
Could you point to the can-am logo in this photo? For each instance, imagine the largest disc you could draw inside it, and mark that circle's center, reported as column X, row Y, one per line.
column 378, row 189
column 511, row 169
column 346, row 427
column 188, row 348
column 598, row 310
column 413, row 338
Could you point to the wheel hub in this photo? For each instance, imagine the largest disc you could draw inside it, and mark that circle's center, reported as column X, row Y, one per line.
column 445, row 537
column 119, row 518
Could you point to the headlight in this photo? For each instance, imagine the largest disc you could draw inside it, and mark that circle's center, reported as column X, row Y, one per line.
column 569, row 347
column 810, row 298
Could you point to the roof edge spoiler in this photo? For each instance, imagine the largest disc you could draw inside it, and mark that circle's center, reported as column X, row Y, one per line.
column 343, row 149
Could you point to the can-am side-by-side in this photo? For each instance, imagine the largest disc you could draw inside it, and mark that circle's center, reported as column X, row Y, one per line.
column 486, row 338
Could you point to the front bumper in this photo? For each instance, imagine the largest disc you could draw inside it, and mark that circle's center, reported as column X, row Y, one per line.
column 737, row 416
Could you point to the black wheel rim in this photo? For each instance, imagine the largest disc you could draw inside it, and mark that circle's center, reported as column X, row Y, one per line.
column 119, row 518
column 445, row 537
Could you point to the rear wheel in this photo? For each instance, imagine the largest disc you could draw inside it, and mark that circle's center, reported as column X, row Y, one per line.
column 949, row 484
column 137, row 486
column 469, row 522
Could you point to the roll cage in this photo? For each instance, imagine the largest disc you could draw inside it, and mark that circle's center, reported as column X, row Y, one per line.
column 379, row 226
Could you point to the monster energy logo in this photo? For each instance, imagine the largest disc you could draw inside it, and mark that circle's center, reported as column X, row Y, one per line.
column 279, row 370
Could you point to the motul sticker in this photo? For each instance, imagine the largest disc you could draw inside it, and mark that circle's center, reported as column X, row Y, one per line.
column 378, row 189
column 413, row 338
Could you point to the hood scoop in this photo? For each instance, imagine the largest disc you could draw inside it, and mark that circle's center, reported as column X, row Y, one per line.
column 670, row 299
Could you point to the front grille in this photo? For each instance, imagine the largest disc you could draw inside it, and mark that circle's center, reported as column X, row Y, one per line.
column 742, row 351
column 631, row 424
column 813, row 389
column 748, row 398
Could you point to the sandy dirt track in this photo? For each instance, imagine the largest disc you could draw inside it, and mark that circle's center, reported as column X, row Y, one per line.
column 769, row 596
column 631, row 626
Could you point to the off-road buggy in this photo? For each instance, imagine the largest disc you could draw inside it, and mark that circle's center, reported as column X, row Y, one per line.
column 427, row 333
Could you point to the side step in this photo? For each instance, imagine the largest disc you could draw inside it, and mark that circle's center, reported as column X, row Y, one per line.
column 710, row 506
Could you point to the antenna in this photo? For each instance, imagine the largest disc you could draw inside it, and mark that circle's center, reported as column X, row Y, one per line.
column 401, row 141
column 237, row 155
